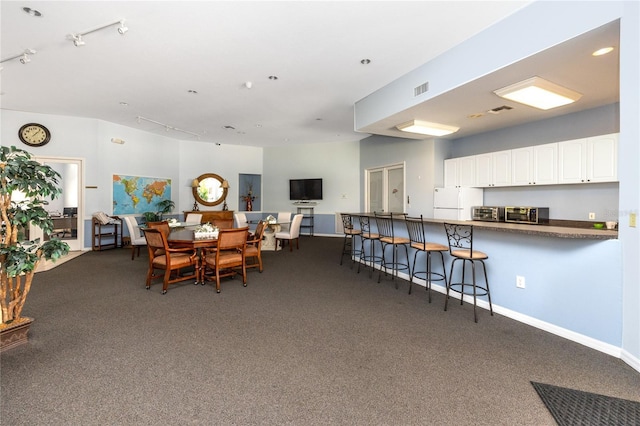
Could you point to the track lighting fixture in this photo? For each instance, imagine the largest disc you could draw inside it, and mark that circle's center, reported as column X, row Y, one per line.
column 77, row 40
column 166, row 126
column 22, row 57
column 77, row 37
column 122, row 29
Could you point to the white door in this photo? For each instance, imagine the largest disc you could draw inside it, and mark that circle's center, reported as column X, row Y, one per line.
column 384, row 190
column 66, row 210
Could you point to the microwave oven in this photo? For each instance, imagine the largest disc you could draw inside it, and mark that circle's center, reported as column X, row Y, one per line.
column 487, row 213
column 533, row 215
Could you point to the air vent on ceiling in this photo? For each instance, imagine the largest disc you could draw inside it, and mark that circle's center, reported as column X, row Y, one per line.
column 423, row 88
column 499, row 109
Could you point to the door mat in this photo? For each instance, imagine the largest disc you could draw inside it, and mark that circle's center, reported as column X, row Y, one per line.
column 574, row 407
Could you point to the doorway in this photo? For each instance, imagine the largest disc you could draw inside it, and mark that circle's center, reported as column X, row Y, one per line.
column 384, row 189
column 67, row 210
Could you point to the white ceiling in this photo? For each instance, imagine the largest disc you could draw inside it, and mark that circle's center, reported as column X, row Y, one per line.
column 214, row 47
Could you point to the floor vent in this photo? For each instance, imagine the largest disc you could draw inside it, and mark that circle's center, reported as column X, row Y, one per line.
column 423, row 88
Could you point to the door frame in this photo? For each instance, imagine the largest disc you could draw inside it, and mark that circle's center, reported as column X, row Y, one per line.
column 77, row 243
column 385, row 185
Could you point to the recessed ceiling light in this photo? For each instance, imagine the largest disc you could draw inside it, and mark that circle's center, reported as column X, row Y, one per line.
column 31, row 12
column 365, row 61
column 124, row 104
column 603, row 51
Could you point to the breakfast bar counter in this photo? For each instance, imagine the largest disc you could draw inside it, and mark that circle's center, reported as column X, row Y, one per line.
column 543, row 230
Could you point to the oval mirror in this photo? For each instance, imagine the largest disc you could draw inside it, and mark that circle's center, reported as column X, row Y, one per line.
column 209, row 191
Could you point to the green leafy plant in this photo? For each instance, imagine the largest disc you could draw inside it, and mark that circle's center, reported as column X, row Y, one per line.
column 24, row 186
column 165, row 206
column 150, row 217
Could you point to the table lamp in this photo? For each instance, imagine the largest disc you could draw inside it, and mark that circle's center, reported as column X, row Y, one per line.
column 194, row 184
column 225, row 185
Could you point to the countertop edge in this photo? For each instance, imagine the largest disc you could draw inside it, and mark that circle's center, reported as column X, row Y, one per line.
column 540, row 230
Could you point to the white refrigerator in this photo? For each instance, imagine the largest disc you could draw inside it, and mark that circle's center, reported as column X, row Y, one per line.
column 456, row 203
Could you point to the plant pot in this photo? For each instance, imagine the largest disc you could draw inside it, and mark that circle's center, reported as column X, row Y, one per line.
column 14, row 334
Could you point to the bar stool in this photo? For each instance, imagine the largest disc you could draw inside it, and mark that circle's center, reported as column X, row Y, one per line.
column 415, row 228
column 371, row 237
column 350, row 232
column 384, row 221
column 461, row 248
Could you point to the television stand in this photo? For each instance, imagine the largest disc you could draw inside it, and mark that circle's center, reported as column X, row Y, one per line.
column 305, row 203
column 307, row 219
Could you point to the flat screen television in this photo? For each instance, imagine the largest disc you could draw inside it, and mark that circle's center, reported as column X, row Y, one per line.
column 305, row 189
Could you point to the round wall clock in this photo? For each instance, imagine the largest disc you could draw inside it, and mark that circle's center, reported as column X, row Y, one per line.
column 34, row 134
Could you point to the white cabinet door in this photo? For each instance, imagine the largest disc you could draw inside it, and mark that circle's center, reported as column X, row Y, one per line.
column 467, row 171
column 484, row 170
column 572, row 161
column 593, row 159
column 602, row 158
column 522, row 166
column 451, row 173
column 535, row 165
column 460, row 172
column 493, row 169
column 502, row 168
column 545, row 164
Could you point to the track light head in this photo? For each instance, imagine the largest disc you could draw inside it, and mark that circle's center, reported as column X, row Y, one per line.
column 25, row 59
column 122, row 29
column 77, row 40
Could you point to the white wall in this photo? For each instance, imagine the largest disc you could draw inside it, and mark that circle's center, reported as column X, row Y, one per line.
column 227, row 161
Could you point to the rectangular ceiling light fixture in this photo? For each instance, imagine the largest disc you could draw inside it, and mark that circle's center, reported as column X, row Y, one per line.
column 427, row 128
column 539, row 93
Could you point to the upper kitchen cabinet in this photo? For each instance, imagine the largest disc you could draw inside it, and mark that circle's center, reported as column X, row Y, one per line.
column 535, row 165
column 593, row 159
column 493, row 169
column 460, row 172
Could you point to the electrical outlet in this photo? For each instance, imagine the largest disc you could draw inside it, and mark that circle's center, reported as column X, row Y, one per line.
column 520, row 283
column 592, row 216
column 632, row 220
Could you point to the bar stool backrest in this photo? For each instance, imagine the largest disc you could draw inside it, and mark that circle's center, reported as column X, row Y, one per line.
column 384, row 221
column 365, row 226
column 347, row 221
column 415, row 228
column 460, row 237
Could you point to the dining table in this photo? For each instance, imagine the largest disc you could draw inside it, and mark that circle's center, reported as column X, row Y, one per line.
column 183, row 237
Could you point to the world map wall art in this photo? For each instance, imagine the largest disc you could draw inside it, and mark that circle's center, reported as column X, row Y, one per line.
column 137, row 194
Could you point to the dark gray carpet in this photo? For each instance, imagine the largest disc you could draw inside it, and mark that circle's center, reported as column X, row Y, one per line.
column 571, row 407
column 307, row 342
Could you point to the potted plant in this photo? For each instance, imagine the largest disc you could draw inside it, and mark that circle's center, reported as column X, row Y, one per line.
column 164, row 206
column 150, row 217
column 24, row 186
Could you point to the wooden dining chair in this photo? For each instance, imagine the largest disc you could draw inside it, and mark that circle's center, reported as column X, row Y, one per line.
column 229, row 255
column 168, row 260
column 254, row 246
